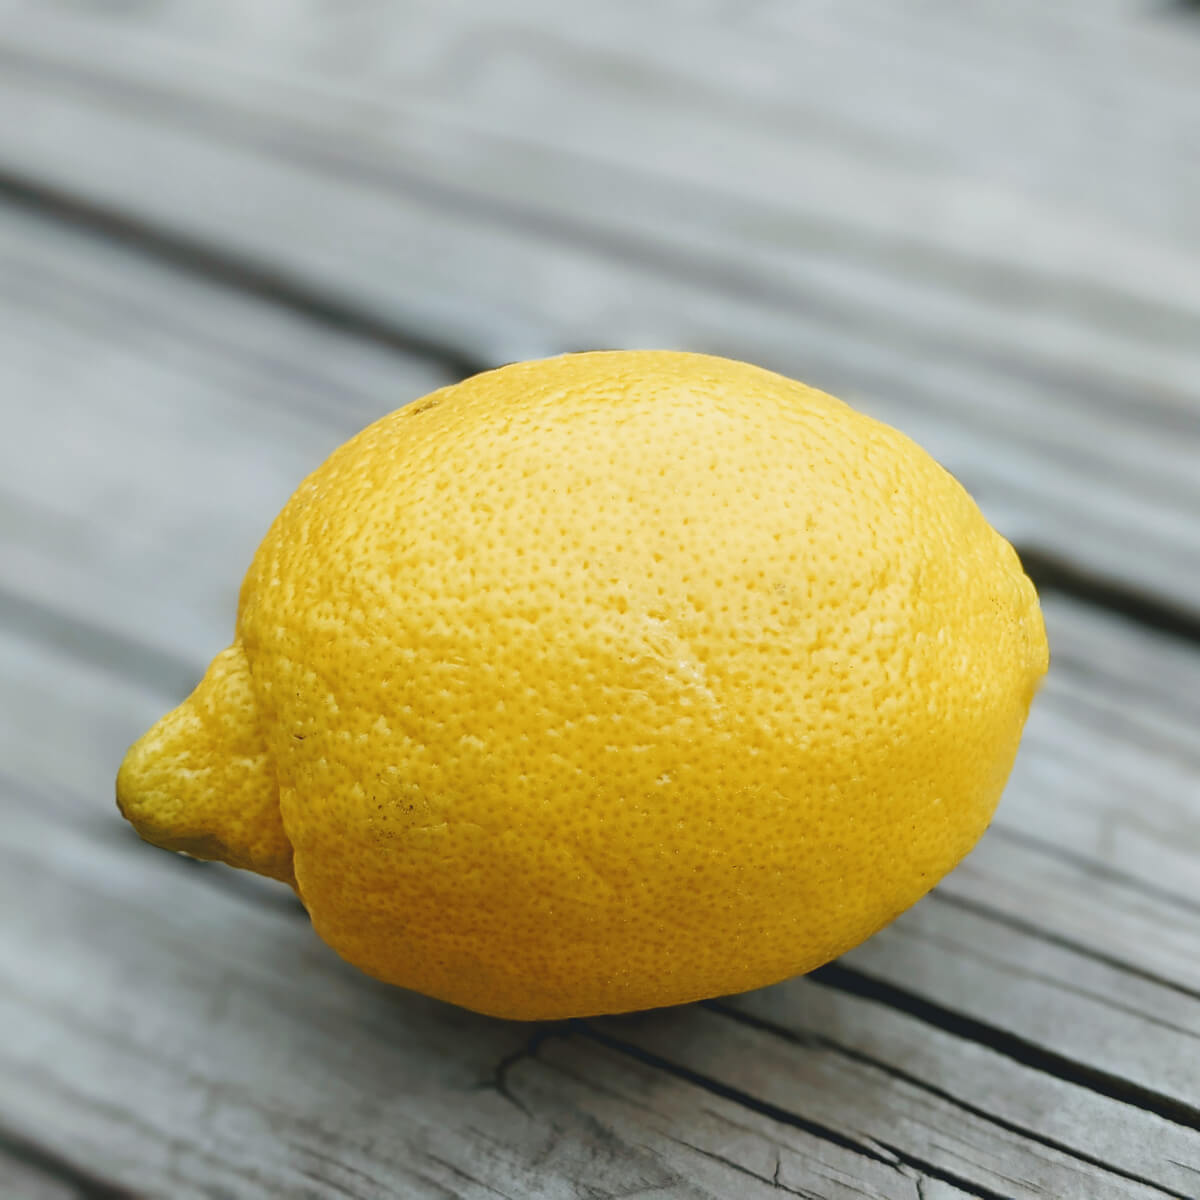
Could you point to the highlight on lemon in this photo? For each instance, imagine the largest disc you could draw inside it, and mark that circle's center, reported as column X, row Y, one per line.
column 604, row 682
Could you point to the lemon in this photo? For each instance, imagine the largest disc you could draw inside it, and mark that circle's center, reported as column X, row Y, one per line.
column 604, row 682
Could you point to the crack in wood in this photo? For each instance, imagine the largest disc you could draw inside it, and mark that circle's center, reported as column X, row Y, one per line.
column 774, row 1180
column 735, row 1095
column 755, row 1022
column 874, row 1149
column 930, row 1171
column 497, row 1080
column 846, row 979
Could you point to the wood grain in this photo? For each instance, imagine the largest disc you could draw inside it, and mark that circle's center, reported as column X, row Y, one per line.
column 773, row 186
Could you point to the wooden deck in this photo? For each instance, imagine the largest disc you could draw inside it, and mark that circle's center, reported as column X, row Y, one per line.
column 234, row 231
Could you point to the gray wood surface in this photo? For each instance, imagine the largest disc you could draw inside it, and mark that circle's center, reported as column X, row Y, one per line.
column 230, row 235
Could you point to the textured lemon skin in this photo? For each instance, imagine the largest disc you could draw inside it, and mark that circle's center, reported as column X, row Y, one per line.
column 201, row 781
column 606, row 682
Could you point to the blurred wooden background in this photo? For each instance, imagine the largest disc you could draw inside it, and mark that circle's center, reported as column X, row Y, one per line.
column 234, row 231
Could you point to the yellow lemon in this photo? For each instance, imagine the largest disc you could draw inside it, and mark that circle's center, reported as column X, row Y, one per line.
column 604, row 682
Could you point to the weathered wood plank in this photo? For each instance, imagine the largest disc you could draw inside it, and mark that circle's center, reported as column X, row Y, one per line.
column 1110, row 765
column 1016, row 312
column 831, row 1024
column 953, row 1114
column 818, row 74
